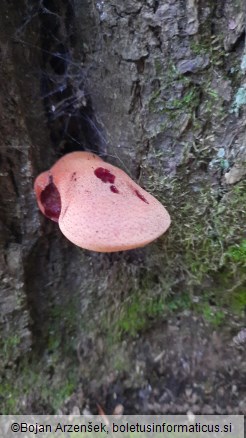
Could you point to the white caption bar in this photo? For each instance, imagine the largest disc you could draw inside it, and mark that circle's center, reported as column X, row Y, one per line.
column 132, row 426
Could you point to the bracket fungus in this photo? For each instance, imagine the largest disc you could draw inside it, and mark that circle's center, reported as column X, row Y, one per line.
column 98, row 206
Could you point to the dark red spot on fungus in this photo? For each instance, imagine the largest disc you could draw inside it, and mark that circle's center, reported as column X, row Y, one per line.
column 51, row 201
column 140, row 196
column 114, row 189
column 104, row 175
column 73, row 177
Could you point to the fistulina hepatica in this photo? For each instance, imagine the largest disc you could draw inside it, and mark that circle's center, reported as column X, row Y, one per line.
column 98, row 206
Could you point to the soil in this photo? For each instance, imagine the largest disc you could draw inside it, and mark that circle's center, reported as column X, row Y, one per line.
column 182, row 366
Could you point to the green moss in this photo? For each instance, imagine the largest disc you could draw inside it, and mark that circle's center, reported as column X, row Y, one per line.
column 207, row 242
column 9, row 398
column 238, row 300
column 139, row 312
column 64, row 390
column 237, row 253
column 47, row 381
column 186, row 98
column 159, row 104
column 187, row 102
column 136, row 314
column 213, row 315
column 158, row 67
column 36, row 382
column 64, row 325
column 145, row 305
column 213, row 47
column 9, row 347
column 202, row 246
column 201, row 305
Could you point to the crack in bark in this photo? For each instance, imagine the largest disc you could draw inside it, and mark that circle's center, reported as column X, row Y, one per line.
column 136, row 102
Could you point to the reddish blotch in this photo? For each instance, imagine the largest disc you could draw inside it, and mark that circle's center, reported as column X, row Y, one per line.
column 114, row 189
column 51, row 201
column 104, row 175
column 140, row 196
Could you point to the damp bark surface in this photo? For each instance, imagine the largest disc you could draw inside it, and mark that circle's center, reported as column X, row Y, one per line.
column 158, row 89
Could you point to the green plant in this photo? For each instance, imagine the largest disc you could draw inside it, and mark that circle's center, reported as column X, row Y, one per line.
column 237, row 253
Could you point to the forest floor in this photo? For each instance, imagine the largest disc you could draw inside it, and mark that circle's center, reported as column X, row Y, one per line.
column 183, row 366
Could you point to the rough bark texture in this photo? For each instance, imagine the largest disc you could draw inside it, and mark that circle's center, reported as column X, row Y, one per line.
column 157, row 88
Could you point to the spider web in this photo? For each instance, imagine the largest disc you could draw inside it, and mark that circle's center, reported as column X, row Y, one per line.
column 68, row 107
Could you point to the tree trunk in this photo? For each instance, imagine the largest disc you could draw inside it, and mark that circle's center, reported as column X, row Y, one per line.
column 158, row 89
